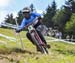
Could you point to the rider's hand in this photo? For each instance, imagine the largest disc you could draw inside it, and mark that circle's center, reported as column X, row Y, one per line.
column 40, row 19
column 18, row 30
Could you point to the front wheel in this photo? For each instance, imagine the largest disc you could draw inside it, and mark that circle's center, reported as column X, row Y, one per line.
column 43, row 49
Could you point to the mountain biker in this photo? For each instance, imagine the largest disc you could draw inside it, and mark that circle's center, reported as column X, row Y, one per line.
column 28, row 18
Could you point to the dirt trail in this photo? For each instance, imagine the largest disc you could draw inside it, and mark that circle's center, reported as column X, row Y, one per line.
column 16, row 55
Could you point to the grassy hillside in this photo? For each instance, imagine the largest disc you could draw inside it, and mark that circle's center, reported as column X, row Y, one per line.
column 12, row 52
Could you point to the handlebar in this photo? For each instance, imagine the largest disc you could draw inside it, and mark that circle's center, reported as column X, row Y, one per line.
column 31, row 22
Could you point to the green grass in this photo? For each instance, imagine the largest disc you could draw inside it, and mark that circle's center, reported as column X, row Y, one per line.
column 12, row 52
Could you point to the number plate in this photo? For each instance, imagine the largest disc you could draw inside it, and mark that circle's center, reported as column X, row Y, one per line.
column 30, row 27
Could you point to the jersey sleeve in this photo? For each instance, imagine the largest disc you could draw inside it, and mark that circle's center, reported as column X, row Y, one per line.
column 36, row 14
column 22, row 24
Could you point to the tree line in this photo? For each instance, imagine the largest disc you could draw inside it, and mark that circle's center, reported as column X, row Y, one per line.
column 62, row 19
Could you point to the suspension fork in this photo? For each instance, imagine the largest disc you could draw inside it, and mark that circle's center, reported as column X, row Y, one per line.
column 38, row 38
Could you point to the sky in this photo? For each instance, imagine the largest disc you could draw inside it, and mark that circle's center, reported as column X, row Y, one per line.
column 14, row 6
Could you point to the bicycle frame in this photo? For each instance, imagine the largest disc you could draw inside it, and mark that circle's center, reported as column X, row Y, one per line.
column 36, row 38
column 32, row 30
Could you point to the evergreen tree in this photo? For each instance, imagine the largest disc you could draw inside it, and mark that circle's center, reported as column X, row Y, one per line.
column 47, row 17
column 20, row 17
column 63, row 16
column 32, row 7
column 54, row 8
column 73, row 6
column 72, row 2
column 51, row 11
column 9, row 19
column 70, row 25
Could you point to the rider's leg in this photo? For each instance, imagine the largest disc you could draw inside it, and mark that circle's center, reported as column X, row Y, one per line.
column 42, row 38
column 30, row 38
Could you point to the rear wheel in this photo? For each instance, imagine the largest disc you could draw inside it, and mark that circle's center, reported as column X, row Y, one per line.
column 42, row 48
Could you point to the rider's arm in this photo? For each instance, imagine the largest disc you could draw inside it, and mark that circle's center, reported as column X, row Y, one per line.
column 21, row 26
column 36, row 14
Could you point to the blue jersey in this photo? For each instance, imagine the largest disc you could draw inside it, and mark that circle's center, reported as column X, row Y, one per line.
column 27, row 21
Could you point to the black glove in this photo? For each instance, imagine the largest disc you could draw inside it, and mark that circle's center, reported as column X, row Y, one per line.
column 39, row 17
column 18, row 30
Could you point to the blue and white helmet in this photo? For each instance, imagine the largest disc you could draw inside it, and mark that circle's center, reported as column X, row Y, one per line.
column 26, row 9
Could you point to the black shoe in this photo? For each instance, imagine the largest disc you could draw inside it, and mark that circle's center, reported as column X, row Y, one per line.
column 38, row 49
column 48, row 46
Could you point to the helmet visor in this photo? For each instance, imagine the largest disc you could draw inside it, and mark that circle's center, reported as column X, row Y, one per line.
column 26, row 11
